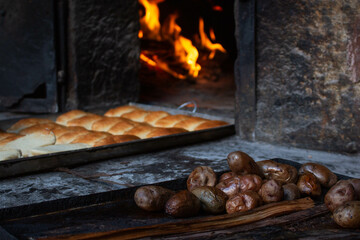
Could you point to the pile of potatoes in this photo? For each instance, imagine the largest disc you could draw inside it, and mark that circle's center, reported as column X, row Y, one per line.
column 250, row 184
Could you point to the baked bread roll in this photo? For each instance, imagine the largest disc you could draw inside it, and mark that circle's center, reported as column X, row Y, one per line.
column 9, row 154
column 78, row 128
column 210, row 124
column 77, row 134
column 120, row 125
column 115, row 139
column 39, row 127
column 25, row 123
column 28, row 142
column 152, row 117
column 71, row 134
column 4, row 135
column 119, row 111
column 163, row 119
column 115, row 126
column 85, row 121
column 8, row 138
column 64, row 118
column 170, row 121
column 159, row 132
column 57, row 148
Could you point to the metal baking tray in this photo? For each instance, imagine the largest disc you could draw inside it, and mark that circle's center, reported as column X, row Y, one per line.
column 107, row 211
column 15, row 167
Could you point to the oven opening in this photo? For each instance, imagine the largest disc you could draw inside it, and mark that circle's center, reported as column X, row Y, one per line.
column 187, row 54
column 287, row 74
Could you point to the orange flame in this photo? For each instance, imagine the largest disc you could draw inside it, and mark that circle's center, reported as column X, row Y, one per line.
column 185, row 52
column 149, row 23
column 158, row 63
column 206, row 43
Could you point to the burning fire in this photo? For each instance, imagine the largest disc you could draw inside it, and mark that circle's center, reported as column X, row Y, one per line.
column 206, row 43
column 185, row 53
column 150, row 25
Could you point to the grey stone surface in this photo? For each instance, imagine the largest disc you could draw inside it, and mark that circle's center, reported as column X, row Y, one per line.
column 157, row 167
column 308, row 82
column 44, row 187
column 28, row 56
column 103, row 53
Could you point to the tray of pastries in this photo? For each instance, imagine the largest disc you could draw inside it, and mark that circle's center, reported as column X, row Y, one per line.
column 78, row 137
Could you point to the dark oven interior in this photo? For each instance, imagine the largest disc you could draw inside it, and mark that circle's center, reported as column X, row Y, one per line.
column 173, row 69
column 288, row 72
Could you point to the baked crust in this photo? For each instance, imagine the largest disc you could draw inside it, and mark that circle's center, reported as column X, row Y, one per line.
column 106, row 123
column 121, row 127
column 86, row 121
column 38, row 127
column 9, row 139
column 152, row 117
column 210, row 124
column 64, row 118
column 170, row 121
column 190, row 123
column 4, row 135
column 125, row 138
column 115, row 139
column 137, row 115
column 91, row 138
column 69, row 137
column 158, row 132
column 141, row 130
column 25, row 123
column 119, row 111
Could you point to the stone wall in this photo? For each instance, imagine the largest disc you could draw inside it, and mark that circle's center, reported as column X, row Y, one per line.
column 103, row 53
column 308, row 74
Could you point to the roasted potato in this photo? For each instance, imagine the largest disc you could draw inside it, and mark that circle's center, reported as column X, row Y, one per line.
column 356, row 184
column 250, row 182
column 241, row 163
column 283, row 173
column 325, row 176
column 348, row 215
column 183, row 204
column 152, row 198
column 271, row 191
column 212, row 199
column 342, row 192
column 201, row 176
column 291, row 191
column 244, row 201
column 226, row 175
column 230, row 186
column 308, row 184
column 241, row 183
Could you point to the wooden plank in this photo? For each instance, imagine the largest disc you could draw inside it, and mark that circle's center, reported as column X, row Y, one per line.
column 203, row 224
column 231, row 233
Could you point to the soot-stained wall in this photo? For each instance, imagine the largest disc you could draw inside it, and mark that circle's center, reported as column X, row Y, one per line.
column 103, row 53
column 307, row 65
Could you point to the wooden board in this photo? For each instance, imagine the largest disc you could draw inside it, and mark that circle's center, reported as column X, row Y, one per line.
column 116, row 213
